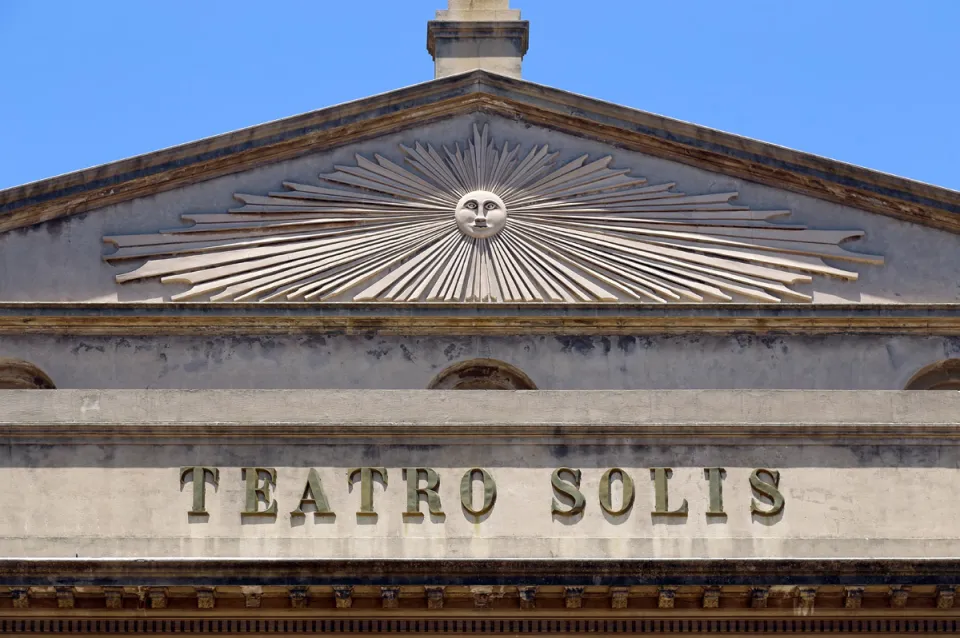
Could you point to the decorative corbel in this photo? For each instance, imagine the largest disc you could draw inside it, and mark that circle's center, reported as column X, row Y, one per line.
column 899, row 595
column 343, row 595
column 852, row 597
column 758, row 597
column 666, row 597
column 945, row 596
column 434, row 597
column 252, row 596
column 390, row 597
column 113, row 597
column 573, row 597
column 619, row 597
column 807, row 597
column 528, row 597
column 299, row 597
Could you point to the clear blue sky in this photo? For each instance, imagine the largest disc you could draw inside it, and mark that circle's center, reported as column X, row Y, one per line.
column 871, row 82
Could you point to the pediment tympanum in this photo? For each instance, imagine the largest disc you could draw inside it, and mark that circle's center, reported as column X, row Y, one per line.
column 487, row 221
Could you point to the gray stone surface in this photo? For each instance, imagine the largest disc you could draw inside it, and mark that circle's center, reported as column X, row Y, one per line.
column 553, row 362
column 60, row 261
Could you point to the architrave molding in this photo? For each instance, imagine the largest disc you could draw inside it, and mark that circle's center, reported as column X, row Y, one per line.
column 471, row 92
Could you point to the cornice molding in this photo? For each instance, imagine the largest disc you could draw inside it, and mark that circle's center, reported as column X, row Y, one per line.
column 441, row 319
column 722, row 417
column 478, row 29
column 157, row 572
column 471, row 92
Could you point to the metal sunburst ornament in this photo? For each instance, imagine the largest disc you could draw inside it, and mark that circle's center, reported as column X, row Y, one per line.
column 484, row 224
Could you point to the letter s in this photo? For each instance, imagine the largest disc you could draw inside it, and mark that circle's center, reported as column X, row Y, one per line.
column 767, row 489
column 568, row 489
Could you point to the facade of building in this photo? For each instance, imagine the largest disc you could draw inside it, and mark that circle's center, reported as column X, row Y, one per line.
column 700, row 365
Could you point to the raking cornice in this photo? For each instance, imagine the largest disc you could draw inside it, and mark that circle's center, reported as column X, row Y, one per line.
column 402, row 109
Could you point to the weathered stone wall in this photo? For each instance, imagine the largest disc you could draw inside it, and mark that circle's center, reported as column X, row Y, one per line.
column 98, row 474
column 552, row 362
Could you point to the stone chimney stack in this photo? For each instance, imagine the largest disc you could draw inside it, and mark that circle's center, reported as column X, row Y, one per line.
column 478, row 34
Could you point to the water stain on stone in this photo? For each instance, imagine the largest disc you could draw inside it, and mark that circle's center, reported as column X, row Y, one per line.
column 582, row 345
column 86, row 347
column 380, row 352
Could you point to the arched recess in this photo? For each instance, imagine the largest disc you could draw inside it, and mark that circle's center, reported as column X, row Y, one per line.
column 16, row 374
column 482, row 374
column 943, row 375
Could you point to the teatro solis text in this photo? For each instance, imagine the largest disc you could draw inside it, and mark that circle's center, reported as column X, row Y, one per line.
column 569, row 498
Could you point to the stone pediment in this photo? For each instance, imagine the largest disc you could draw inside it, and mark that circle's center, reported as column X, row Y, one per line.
column 536, row 105
column 485, row 222
column 478, row 192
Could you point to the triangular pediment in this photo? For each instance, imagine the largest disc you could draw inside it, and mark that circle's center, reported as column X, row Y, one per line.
column 479, row 190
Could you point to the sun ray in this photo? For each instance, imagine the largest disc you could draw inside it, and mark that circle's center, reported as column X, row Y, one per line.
column 480, row 223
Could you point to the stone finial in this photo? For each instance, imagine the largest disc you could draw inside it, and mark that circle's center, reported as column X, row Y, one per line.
column 528, row 597
column 945, row 596
column 852, row 597
column 481, row 596
column 113, row 597
column 666, row 597
column 299, row 597
column 619, row 597
column 157, row 598
column 434, row 597
column 478, row 10
column 899, row 595
column 390, row 597
column 478, row 34
column 758, row 597
column 711, row 597
column 66, row 598
column 206, row 598
column 21, row 597
column 252, row 596
column 573, row 597
column 343, row 595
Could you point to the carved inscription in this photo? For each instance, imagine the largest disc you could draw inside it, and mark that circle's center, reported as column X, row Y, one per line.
column 423, row 488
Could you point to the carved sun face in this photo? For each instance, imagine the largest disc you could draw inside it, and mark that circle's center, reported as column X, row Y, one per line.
column 578, row 232
column 481, row 214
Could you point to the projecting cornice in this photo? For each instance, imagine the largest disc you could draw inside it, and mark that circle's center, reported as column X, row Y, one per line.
column 336, row 126
column 231, row 318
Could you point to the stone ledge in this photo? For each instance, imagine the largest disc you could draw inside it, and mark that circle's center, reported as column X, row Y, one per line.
column 752, row 572
column 683, row 415
column 485, row 319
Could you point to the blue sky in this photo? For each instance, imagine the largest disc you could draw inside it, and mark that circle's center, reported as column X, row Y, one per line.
column 871, row 82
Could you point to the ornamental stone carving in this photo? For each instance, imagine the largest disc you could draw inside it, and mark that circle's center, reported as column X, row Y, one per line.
column 485, row 223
